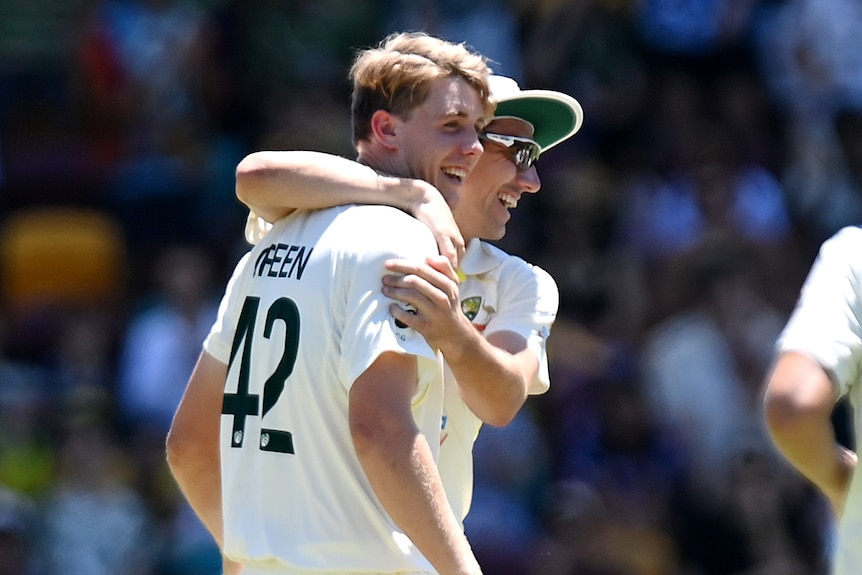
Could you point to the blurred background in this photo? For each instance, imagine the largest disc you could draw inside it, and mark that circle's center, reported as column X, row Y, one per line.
column 722, row 144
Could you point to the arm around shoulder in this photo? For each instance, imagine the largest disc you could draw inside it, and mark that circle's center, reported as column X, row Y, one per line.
column 275, row 183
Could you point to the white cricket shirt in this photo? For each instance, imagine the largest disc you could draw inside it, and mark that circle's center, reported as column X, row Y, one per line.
column 303, row 316
column 500, row 292
column 827, row 326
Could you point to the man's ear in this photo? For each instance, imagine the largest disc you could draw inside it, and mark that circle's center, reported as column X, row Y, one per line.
column 384, row 127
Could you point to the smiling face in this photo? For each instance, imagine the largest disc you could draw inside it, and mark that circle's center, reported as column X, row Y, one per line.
column 495, row 185
column 438, row 140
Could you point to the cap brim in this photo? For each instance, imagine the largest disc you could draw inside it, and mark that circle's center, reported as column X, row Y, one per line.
column 555, row 116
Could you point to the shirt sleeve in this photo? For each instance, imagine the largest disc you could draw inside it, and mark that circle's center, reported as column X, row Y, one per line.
column 369, row 327
column 220, row 338
column 528, row 303
column 825, row 323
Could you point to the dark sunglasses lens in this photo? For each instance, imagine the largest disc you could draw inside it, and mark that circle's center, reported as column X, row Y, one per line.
column 523, row 153
column 526, row 155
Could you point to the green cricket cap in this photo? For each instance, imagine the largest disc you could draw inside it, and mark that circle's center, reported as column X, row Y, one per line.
column 555, row 116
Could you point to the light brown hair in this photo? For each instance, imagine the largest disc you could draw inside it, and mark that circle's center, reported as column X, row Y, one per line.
column 396, row 76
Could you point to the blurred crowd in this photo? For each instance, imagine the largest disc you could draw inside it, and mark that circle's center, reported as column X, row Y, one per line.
column 722, row 143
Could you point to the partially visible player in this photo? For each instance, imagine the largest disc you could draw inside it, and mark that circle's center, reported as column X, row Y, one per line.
column 491, row 324
column 329, row 408
column 820, row 361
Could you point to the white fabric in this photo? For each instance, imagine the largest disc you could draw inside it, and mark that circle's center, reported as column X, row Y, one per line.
column 314, row 509
column 514, row 296
column 827, row 326
column 255, row 228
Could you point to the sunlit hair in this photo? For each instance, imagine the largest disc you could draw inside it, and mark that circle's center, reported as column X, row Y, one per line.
column 396, row 76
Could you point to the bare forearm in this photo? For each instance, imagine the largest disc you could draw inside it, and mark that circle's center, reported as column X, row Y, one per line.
column 493, row 378
column 493, row 373
column 230, row 567
column 201, row 487
column 192, row 443
column 406, row 482
column 195, row 467
column 798, row 405
column 809, row 444
column 275, row 183
column 399, row 464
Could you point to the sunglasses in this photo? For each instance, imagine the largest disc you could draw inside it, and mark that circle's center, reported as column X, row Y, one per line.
column 523, row 152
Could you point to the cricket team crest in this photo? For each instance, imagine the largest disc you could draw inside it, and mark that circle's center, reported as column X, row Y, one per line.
column 470, row 306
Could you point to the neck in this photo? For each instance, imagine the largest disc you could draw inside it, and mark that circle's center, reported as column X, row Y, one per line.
column 381, row 160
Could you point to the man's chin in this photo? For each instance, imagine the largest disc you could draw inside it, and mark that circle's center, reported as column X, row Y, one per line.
column 450, row 192
column 497, row 234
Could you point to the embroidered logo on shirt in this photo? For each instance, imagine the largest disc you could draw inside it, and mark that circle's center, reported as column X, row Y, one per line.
column 471, row 306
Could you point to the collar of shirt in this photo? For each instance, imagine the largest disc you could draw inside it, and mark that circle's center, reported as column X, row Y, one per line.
column 478, row 258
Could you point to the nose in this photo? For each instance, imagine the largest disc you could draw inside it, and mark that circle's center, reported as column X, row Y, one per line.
column 474, row 145
column 528, row 180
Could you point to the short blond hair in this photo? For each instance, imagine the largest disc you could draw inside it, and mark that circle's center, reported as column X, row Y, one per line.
column 396, row 76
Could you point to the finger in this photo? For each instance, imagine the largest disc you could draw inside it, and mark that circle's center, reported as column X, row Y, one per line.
column 444, row 266
column 441, row 292
column 413, row 297
column 424, row 271
column 449, row 250
column 462, row 250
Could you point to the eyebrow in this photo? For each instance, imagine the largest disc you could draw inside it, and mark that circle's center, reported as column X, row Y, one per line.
column 455, row 114
column 479, row 124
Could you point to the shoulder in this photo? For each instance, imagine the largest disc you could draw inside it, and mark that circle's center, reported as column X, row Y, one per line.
column 375, row 221
column 517, row 281
column 843, row 249
column 388, row 228
column 356, row 228
column 849, row 237
column 368, row 233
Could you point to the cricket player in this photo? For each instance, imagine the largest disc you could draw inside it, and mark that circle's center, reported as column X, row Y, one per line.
column 308, row 435
column 491, row 319
column 819, row 361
